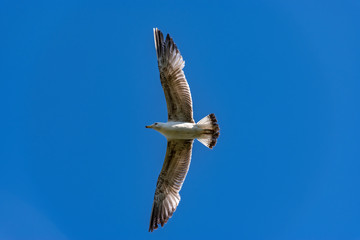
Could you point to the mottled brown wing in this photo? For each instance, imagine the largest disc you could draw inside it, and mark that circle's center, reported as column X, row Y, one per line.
column 173, row 81
column 171, row 178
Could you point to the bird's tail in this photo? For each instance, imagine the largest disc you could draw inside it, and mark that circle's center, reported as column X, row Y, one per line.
column 211, row 130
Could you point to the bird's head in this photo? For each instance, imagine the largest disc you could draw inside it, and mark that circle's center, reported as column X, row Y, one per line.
column 154, row 126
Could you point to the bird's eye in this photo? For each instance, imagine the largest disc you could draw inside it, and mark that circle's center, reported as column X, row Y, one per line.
column 155, row 124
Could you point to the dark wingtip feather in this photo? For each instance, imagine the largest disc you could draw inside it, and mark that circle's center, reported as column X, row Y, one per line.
column 157, row 216
column 159, row 42
column 164, row 48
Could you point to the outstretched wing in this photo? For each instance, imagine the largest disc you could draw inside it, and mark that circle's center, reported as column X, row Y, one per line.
column 173, row 81
column 171, row 178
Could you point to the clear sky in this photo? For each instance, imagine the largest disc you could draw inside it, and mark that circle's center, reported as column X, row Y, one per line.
column 79, row 81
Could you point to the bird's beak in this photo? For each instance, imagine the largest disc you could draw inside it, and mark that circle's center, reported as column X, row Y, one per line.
column 148, row 126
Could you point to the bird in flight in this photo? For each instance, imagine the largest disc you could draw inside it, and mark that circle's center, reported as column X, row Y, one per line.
column 180, row 130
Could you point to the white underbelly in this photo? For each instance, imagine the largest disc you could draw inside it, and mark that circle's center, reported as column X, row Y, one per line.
column 181, row 131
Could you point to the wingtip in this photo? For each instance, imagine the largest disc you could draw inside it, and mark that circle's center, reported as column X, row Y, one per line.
column 156, row 30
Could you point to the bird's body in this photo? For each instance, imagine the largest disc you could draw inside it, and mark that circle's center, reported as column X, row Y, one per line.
column 180, row 130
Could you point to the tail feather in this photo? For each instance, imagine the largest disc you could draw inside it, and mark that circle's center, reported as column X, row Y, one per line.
column 211, row 133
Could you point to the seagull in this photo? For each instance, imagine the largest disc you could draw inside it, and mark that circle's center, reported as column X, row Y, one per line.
column 180, row 130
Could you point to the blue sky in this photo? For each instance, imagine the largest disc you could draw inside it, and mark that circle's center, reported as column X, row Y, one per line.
column 79, row 81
